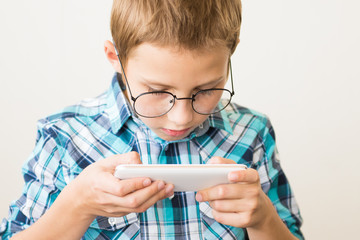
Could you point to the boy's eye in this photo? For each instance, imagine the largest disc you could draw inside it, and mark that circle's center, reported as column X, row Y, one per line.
column 150, row 89
column 207, row 92
column 158, row 93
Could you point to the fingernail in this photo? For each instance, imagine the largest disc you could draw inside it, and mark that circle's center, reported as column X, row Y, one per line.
column 198, row 197
column 147, row 182
column 233, row 176
column 161, row 185
column 169, row 189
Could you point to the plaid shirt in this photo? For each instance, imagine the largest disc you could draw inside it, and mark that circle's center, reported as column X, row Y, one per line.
column 97, row 128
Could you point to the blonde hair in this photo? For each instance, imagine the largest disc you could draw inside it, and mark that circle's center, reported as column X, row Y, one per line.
column 187, row 24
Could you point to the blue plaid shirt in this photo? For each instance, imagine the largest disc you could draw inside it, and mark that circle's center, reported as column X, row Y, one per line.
column 80, row 135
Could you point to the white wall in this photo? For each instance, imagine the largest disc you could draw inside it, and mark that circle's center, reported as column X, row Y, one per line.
column 298, row 62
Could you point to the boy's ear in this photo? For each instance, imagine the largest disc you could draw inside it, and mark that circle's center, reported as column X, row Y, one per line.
column 237, row 42
column 111, row 56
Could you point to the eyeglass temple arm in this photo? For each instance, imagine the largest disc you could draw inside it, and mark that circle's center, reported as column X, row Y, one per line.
column 231, row 75
column 123, row 71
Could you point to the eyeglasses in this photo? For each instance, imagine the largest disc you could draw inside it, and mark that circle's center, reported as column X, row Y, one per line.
column 158, row 103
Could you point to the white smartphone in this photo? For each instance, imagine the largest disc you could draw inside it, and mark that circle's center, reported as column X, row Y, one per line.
column 185, row 177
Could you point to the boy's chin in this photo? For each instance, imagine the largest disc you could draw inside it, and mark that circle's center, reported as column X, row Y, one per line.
column 170, row 138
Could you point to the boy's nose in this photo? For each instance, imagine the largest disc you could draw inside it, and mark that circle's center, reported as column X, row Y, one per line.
column 182, row 112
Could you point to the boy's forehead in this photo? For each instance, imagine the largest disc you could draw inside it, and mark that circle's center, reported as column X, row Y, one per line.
column 173, row 67
column 175, row 50
column 155, row 60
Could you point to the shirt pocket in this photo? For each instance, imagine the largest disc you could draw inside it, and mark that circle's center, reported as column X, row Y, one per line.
column 214, row 230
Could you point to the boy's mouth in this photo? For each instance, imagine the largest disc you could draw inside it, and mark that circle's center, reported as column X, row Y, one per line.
column 175, row 133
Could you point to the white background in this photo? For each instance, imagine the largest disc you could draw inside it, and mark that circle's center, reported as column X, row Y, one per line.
column 298, row 62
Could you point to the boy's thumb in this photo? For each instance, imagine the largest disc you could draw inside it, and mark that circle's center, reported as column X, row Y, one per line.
column 126, row 158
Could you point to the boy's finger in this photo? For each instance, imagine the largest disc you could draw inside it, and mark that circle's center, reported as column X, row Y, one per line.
column 158, row 190
column 136, row 199
column 244, row 176
column 165, row 193
column 233, row 219
column 227, row 191
column 230, row 205
column 122, row 188
column 218, row 192
column 119, row 206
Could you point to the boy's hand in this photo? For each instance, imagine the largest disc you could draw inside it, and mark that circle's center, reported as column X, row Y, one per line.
column 242, row 203
column 96, row 192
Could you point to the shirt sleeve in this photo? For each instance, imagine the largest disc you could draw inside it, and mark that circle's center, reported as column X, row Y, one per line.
column 43, row 181
column 274, row 182
column 46, row 173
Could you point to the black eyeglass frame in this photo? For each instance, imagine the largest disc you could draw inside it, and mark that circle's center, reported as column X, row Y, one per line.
column 192, row 98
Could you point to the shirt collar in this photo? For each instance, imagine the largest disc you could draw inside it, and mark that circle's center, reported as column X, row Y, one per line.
column 118, row 107
column 221, row 120
column 119, row 111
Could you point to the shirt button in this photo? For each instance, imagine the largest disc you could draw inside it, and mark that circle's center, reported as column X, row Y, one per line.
column 112, row 221
column 167, row 147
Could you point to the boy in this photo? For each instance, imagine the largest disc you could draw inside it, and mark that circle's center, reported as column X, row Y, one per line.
column 172, row 60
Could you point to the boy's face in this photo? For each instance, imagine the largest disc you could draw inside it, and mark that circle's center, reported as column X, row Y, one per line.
column 181, row 72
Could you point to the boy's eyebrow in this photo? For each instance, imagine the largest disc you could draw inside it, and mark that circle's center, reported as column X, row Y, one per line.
column 155, row 83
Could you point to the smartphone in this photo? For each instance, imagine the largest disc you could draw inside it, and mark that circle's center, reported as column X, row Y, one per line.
column 185, row 177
